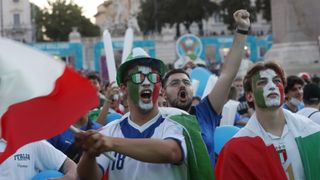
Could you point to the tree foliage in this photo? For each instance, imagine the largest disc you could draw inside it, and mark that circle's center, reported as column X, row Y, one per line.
column 36, row 16
column 155, row 14
column 228, row 7
column 264, row 6
column 57, row 21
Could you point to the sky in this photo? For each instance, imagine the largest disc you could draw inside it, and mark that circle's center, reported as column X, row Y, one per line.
column 89, row 7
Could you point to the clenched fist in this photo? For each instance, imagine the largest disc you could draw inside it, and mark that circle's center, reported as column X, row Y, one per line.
column 242, row 20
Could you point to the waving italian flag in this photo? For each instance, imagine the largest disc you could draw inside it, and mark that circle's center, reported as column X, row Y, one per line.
column 40, row 97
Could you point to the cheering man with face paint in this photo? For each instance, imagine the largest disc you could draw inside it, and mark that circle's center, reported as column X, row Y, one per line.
column 275, row 143
column 178, row 90
column 145, row 144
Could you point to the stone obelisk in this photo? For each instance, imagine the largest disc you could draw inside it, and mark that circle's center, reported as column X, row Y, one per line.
column 296, row 32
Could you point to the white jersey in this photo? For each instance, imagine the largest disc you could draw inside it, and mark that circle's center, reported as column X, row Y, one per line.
column 311, row 113
column 29, row 160
column 128, row 168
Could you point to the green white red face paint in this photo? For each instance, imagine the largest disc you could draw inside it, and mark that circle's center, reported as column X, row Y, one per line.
column 268, row 90
column 143, row 95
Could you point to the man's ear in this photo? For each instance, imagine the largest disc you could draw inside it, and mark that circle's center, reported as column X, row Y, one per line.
column 163, row 92
column 249, row 97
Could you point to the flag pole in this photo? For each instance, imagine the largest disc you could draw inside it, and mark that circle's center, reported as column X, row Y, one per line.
column 76, row 130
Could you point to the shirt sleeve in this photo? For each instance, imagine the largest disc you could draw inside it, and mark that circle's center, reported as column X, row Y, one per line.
column 47, row 156
column 175, row 131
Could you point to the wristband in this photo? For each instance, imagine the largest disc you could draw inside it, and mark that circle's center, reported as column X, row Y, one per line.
column 244, row 32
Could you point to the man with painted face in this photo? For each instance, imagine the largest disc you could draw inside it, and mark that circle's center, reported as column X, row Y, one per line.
column 275, row 139
column 178, row 90
column 144, row 143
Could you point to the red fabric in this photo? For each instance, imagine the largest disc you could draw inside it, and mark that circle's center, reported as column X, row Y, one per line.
column 105, row 176
column 118, row 110
column 248, row 158
column 47, row 116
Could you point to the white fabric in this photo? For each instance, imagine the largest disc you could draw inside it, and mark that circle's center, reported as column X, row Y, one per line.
column 307, row 111
column 125, row 167
column 21, row 77
column 170, row 111
column 229, row 111
column 30, row 160
column 111, row 65
column 128, row 43
column 296, row 125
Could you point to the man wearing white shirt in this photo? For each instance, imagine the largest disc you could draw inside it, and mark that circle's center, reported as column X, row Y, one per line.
column 311, row 100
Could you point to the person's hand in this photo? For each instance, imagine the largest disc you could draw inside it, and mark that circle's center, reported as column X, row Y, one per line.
column 242, row 20
column 93, row 142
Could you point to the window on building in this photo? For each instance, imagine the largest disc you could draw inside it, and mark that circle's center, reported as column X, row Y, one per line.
column 16, row 19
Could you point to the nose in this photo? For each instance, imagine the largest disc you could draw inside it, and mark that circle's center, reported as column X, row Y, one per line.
column 272, row 88
column 145, row 82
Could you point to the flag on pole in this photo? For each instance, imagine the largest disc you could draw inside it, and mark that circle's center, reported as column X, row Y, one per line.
column 40, row 96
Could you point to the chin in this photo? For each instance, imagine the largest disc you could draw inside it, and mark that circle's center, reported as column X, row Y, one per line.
column 145, row 107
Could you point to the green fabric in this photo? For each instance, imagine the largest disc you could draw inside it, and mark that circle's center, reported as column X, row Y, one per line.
column 93, row 114
column 309, row 148
column 199, row 165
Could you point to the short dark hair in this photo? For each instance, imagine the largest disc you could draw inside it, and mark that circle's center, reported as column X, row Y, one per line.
column 311, row 94
column 93, row 76
column 291, row 81
column 171, row 72
column 247, row 81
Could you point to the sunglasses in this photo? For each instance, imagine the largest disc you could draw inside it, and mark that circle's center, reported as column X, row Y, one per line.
column 139, row 77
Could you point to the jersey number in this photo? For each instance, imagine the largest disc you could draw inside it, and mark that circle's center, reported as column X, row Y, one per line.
column 118, row 163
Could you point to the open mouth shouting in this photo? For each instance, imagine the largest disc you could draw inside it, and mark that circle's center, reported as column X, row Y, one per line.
column 273, row 95
column 146, row 96
column 183, row 95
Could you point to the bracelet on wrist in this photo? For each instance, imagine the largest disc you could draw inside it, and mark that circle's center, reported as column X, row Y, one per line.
column 244, row 32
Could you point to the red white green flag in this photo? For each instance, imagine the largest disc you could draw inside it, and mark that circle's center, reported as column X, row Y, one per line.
column 40, row 97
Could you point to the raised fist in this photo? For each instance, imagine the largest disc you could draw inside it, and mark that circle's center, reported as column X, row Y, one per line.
column 242, row 20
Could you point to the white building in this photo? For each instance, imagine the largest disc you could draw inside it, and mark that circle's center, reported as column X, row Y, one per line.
column 15, row 20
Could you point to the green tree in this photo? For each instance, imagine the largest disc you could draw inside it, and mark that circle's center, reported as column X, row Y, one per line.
column 264, row 6
column 228, row 7
column 36, row 16
column 57, row 21
column 155, row 14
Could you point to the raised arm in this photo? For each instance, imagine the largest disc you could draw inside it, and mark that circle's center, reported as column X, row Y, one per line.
column 219, row 93
column 110, row 90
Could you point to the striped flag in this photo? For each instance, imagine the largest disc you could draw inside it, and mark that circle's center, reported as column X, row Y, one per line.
column 40, row 97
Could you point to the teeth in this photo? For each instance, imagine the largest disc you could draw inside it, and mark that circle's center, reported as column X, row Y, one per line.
column 146, row 92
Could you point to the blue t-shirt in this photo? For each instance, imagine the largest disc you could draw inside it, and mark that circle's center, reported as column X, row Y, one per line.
column 64, row 140
column 208, row 120
column 300, row 106
column 113, row 115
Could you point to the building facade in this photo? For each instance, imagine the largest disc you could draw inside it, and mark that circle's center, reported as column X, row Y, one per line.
column 15, row 20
